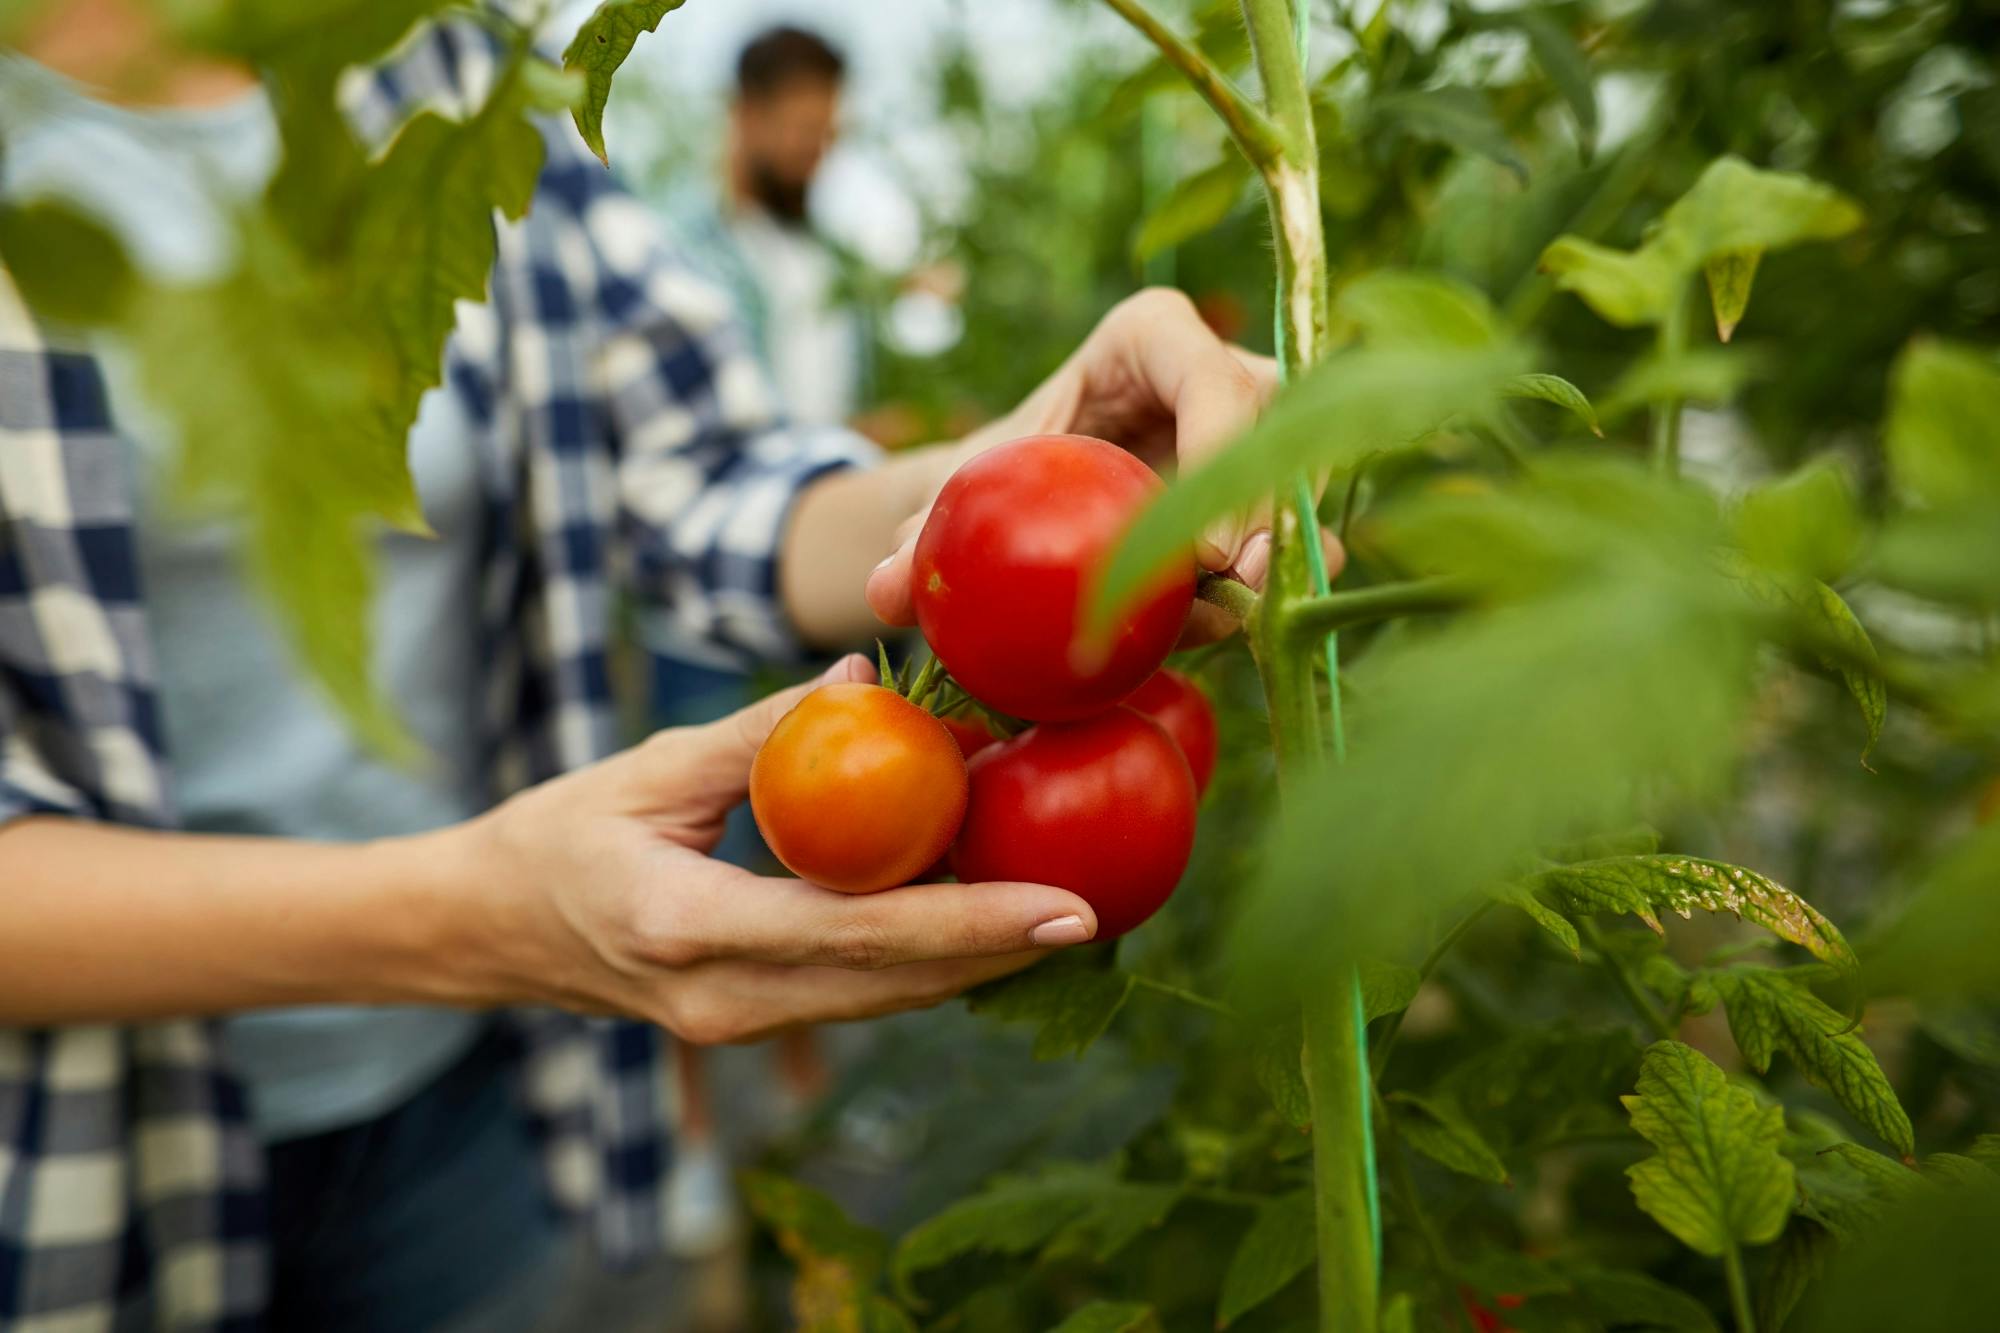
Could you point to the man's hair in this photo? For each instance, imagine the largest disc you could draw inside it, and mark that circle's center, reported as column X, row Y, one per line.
column 785, row 55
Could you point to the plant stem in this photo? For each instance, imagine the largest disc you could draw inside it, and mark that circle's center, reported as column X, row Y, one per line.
column 1342, row 1155
column 1235, row 598
column 1641, row 1002
column 1250, row 127
column 1308, row 618
column 1668, row 346
column 1739, row 1291
column 1393, row 1025
column 1184, row 995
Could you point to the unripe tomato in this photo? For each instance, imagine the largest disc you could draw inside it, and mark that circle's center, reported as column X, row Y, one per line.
column 970, row 733
column 858, row 789
column 1103, row 807
column 1183, row 712
column 1005, row 560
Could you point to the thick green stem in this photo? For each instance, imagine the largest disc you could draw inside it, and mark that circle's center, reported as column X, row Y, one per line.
column 1250, row 127
column 1312, row 617
column 1670, row 344
column 1227, row 593
column 1739, row 1291
column 1336, row 1075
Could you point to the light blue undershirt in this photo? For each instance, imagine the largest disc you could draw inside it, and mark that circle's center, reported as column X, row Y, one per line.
column 254, row 746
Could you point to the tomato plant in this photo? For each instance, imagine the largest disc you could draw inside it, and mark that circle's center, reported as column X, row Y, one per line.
column 1103, row 807
column 858, row 789
column 1003, row 564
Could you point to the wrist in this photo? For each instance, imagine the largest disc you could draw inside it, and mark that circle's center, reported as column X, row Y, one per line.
column 451, row 934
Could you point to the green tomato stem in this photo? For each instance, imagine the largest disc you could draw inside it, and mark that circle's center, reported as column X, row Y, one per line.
column 1309, row 618
column 1739, row 1290
column 1251, row 128
column 1219, row 590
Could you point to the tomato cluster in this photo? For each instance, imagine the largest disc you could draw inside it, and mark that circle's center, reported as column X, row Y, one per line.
column 861, row 789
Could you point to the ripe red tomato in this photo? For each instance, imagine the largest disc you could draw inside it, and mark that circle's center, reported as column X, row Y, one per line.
column 858, row 789
column 1103, row 807
column 1183, row 711
column 970, row 733
column 1005, row 560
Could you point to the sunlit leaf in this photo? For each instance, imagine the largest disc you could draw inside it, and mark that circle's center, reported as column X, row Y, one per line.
column 1197, row 205
column 1805, row 524
column 1769, row 1012
column 1071, row 998
column 1710, row 376
column 1412, row 308
column 1437, row 1131
column 1386, row 988
column 1645, row 886
column 1718, row 1180
column 1378, row 397
column 1943, row 401
column 1455, row 116
column 1555, row 389
column 599, row 48
column 1277, row 1248
column 1729, row 277
column 1624, row 287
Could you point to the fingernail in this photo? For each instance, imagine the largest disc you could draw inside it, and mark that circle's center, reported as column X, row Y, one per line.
column 1063, row 930
column 843, row 669
column 1216, row 546
column 884, row 563
column 1255, row 561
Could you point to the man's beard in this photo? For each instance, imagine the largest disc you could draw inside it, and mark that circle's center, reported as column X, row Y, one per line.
column 783, row 199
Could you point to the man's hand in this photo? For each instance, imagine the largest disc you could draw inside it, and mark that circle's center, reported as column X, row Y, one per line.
column 603, row 898
column 1156, row 379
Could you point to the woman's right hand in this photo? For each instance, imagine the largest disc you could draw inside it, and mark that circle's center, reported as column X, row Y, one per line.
column 596, row 891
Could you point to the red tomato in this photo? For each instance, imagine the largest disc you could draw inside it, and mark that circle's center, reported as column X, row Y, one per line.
column 858, row 789
column 1183, row 711
column 1005, row 560
column 1103, row 807
column 970, row 733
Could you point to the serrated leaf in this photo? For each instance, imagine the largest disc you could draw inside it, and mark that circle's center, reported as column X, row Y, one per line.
column 1949, row 1168
column 1413, row 308
column 1555, row 389
column 1437, row 1131
column 599, row 48
column 1387, row 988
column 1523, row 899
column 1634, row 1300
column 1798, row 1258
column 1769, row 1012
column 1067, row 1204
column 1538, row 1086
column 1986, row 1148
column 1381, row 396
column 1071, row 997
column 1718, row 1180
column 1729, row 277
column 1196, row 205
column 1456, row 116
column 837, row 1260
column 1645, row 886
column 1846, row 1188
column 1111, row 1317
column 1277, row 1054
column 1277, row 1248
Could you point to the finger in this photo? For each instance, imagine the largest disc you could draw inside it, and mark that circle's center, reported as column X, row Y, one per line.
column 790, row 921
column 1207, row 623
column 744, row 1002
column 888, row 589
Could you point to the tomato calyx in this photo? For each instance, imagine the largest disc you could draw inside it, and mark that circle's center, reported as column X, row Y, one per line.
column 930, row 687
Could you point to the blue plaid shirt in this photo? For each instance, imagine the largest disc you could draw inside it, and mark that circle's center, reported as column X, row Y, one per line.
column 632, row 447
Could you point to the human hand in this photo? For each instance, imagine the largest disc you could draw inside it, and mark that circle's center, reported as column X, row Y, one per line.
column 596, row 892
column 1156, row 379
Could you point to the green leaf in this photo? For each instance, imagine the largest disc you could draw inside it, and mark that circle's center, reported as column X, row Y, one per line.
column 1847, row 1188
column 1943, row 400
column 1869, row 692
column 1986, row 1148
column 1645, row 886
column 67, row 268
column 1768, row 1011
column 1412, row 308
column 1064, row 1204
column 599, row 48
column 1437, row 1131
column 1729, row 277
column 1940, row 946
column 1198, row 204
column 1949, row 1168
column 1925, row 1267
column 295, row 36
column 1400, row 1314
column 1718, row 1180
column 1277, row 1248
column 1949, row 555
column 1806, row 524
column 1564, row 63
column 1555, row 389
column 1387, row 988
column 1456, row 116
column 1797, row 1260
column 1634, row 1300
column 1708, row 375
column 1071, row 997
column 1538, row 1086
column 1111, row 1317
column 1732, row 211
column 1276, row 1055
column 1381, row 396
column 1522, row 898
column 837, row 1260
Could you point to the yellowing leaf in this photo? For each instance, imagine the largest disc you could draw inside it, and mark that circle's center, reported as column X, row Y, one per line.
column 1718, row 1180
column 1729, row 277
